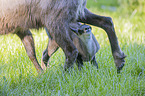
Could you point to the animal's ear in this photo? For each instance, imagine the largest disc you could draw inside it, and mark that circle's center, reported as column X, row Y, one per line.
column 74, row 30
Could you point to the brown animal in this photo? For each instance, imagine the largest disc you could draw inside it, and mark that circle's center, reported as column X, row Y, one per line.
column 18, row 16
column 84, row 41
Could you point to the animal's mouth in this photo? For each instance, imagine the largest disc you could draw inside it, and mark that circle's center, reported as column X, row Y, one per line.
column 87, row 35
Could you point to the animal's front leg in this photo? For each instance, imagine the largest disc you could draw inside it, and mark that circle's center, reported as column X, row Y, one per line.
column 28, row 42
column 94, row 62
column 62, row 38
column 79, row 61
column 106, row 24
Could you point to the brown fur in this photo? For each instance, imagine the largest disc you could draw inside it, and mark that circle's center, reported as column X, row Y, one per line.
column 18, row 16
column 38, row 13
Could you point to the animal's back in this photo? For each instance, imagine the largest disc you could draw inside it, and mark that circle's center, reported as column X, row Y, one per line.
column 10, row 14
column 36, row 13
column 9, row 5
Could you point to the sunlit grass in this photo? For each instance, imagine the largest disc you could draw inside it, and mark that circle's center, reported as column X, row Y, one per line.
column 19, row 77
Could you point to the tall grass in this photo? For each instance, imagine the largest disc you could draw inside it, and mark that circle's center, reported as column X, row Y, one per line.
column 19, row 77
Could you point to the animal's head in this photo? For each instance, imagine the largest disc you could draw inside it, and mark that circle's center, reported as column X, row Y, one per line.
column 81, row 29
column 88, row 41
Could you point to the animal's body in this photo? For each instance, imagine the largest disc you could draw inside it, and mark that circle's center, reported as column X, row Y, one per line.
column 18, row 16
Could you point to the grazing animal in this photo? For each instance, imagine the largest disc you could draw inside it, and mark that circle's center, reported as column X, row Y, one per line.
column 84, row 41
column 18, row 16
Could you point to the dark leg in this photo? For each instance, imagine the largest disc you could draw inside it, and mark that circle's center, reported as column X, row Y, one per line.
column 71, row 54
column 62, row 38
column 94, row 62
column 79, row 62
column 52, row 47
column 28, row 42
column 106, row 24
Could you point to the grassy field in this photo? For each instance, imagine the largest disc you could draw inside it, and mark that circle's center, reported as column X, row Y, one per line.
column 19, row 77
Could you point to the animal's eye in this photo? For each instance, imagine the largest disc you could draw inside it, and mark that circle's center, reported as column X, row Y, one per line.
column 86, row 28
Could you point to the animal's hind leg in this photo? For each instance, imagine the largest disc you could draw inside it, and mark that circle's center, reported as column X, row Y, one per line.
column 106, row 24
column 52, row 47
column 28, row 42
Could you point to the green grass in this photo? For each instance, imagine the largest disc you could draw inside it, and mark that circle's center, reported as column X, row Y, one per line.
column 19, row 77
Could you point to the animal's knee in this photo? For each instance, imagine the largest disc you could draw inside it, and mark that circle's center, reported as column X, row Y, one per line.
column 109, row 20
column 108, row 23
column 72, row 55
column 75, row 53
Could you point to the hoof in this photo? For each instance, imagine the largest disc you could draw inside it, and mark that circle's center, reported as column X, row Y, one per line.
column 119, row 60
column 120, row 68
